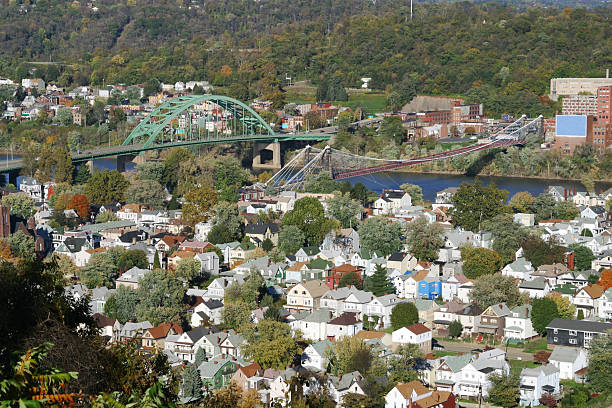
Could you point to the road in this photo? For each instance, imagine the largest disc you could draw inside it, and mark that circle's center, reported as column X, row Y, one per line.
column 511, row 354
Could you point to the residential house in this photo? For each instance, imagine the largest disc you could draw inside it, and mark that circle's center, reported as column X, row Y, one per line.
column 416, row 395
column 76, row 249
column 448, row 371
column 383, row 337
column 231, row 344
column 391, row 201
column 469, row 317
column 313, row 325
column 345, row 325
column 306, row 254
column 209, row 262
column 212, row 310
column 155, row 337
column 407, row 285
column 536, row 288
column 538, row 381
column 131, row 277
column 569, row 360
column 429, row 288
column 349, row 383
column 358, row 302
column 463, row 293
column 518, row 324
column 445, row 196
column 587, row 300
column 474, row 377
column 218, row 372
column 380, row 309
column 605, row 305
column 339, row 272
column 551, row 273
column 218, row 286
column 313, row 356
column 401, row 261
column 259, row 232
column 249, row 377
column 427, row 309
column 98, row 299
column 417, row 334
column 493, row 319
column 334, row 299
column 519, row 269
column 450, row 287
column 107, row 327
column 133, row 331
column 574, row 333
column 306, row 295
column 445, row 315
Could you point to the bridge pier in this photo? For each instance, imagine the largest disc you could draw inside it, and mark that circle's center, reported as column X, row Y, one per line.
column 122, row 160
column 264, row 162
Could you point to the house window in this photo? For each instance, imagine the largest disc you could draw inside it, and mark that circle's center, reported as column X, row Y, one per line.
column 572, row 341
column 555, row 331
column 555, row 339
column 572, row 332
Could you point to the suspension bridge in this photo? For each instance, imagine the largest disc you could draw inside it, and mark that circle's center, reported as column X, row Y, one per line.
column 343, row 165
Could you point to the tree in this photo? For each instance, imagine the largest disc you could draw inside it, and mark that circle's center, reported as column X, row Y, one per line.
column 160, row 298
column 544, row 310
column 455, row 328
column 359, row 193
column 253, row 289
column 267, row 245
column 152, row 171
column 236, row 315
column 415, row 191
column 227, row 216
column 81, row 175
column 5, row 250
column 347, row 355
column 497, row 288
column 146, row 192
column 378, row 234
column 320, row 183
column 106, row 216
column 580, row 314
column 566, row 210
column 80, row 205
column 172, row 166
column 20, row 204
column 200, row 356
column 132, row 258
column 309, row 216
column 351, row 279
column 475, row 203
column 343, row 208
column 123, row 306
column 391, row 128
column 582, row 257
column 505, row 390
column 404, row 364
column 424, row 239
column 271, row 344
column 63, row 165
column 229, row 173
column 156, row 262
column 548, row 400
column 565, row 308
column 507, row 236
column 540, row 252
column 22, row 245
column 404, row 314
column 188, row 269
column 199, row 201
column 480, row 261
column 544, row 206
column 64, row 116
column 379, row 283
column 522, row 202
column 99, row 271
column 105, row 187
column 192, row 383
column 600, row 360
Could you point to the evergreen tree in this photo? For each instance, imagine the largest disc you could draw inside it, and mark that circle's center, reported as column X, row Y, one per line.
column 156, row 263
column 379, row 283
column 192, row 383
column 200, row 356
column 580, row 315
column 455, row 328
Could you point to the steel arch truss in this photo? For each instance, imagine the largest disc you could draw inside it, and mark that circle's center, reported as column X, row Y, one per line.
column 154, row 124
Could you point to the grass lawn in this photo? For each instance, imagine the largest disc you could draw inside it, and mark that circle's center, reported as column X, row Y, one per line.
column 372, row 102
column 438, row 354
column 517, row 365
column 535, row 345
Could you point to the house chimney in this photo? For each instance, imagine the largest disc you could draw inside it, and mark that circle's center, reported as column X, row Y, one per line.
column 526, row 312
column 565, row 193
column 358, row 378
column 215, row 362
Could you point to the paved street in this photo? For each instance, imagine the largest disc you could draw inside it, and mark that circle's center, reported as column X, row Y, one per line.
column 512, row 353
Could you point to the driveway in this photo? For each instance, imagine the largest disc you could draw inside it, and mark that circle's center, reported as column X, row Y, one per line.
column 511, row 354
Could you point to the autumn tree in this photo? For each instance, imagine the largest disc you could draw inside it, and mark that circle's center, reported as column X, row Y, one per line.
column 497, row 288
column 424, row 239
column 20, row 204
column 199, row 202
column 475, row 203
column 522, row 202
column 565, row 308
column 271, row 344
column 106, row 186
column 480, row 261
column 80, row 205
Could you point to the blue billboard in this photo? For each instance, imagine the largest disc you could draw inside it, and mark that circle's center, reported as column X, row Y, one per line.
column 571, row 125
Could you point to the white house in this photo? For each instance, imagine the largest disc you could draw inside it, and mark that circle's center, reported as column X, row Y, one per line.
column 209, row 262
column 538, row 381
column 520, row 269
column 587, row 300
column 568, row 360
column 213, row 309
column 217, row 287
column 475, row 376
column 416, row 333
column 536, row 288
column 345, row 325
column 407, row 395
column 605, row 305
column 450, row 287
column 391, row 201
column 313, row 356
column 381, row 307
column 518, row 324
column 349, row 383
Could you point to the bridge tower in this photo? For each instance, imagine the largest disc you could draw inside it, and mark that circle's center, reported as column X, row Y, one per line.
column 263, row 163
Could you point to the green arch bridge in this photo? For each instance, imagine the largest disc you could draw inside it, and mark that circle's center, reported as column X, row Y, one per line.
column 225, row 120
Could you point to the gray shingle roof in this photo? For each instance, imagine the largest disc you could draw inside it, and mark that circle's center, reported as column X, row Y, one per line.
column 564, row 354
column 582, row 325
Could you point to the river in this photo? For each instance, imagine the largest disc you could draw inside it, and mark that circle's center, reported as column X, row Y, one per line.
column 432, row 183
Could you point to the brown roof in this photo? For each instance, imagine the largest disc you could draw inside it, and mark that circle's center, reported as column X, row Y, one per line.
column 297, row 266
column 406, row 388
column 368, row 334
column 418, row 328
column 250, row 370
column 161, row 331
column 420, row 275
column 435, row 399
column 345, row 268
column 103, row 321
column 315, row 287
column 173, row 240
column 183, row 254
column 595, row 291
column 345, row 319
column 93, row 251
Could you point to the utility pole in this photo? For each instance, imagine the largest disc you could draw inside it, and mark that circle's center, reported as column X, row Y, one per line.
column 410, row 10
